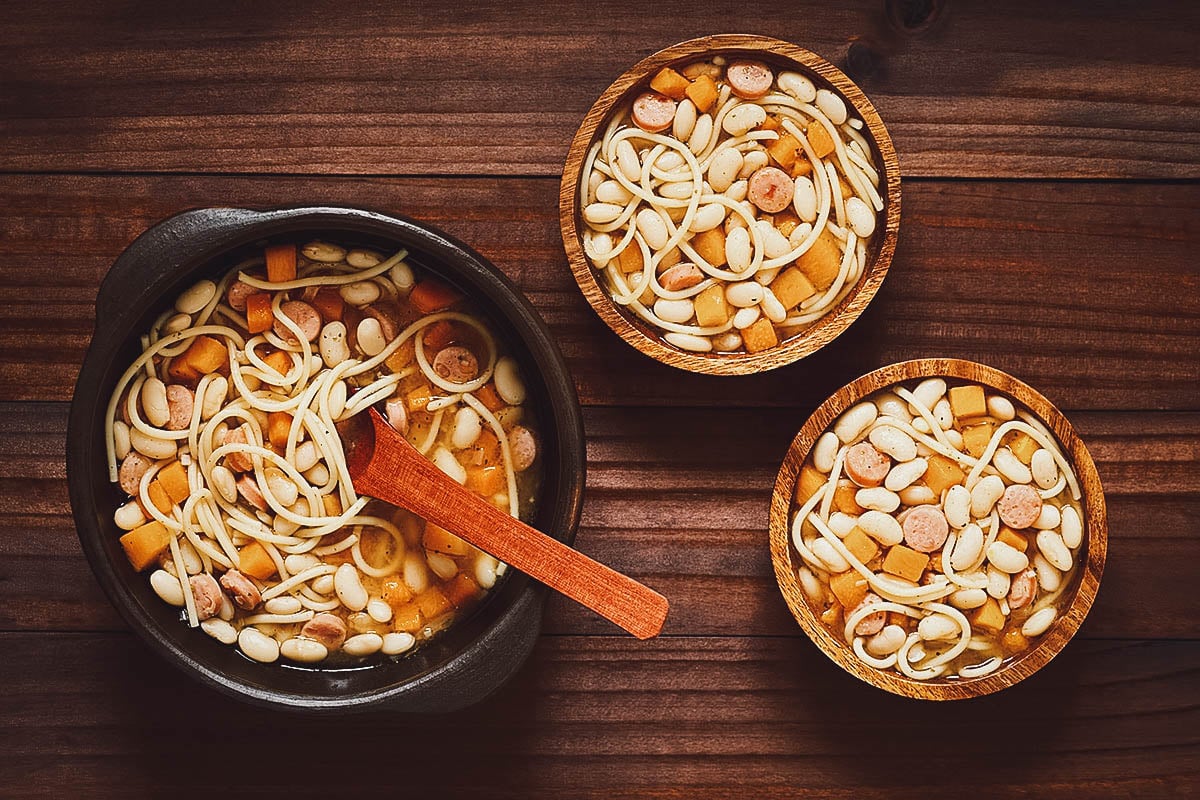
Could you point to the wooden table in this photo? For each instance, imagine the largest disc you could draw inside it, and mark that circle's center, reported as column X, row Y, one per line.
column 1050, row 153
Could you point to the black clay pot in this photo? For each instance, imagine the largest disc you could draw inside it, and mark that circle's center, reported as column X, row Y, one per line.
column 464, row 664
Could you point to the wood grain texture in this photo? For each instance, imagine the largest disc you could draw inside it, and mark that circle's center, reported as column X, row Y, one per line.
column 605, row 717
column 688, row 515
column 1028, row 89
column 1087, row 291
column 620, row 95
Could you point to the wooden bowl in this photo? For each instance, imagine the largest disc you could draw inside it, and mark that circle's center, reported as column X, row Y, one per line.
column 1090, row 564
column 781, row 55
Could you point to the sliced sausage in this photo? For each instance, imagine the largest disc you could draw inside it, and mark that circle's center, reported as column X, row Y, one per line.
column 681, row 276
column 132, row 469
column 456, row 364
column 241, row 589
column 248, row 488
column 1023, row 589
column 865, row 465
column 925, row 528
column 871, row 624
column 1019, row 506
column 207, row 595
column 397, row 414
column 301, row 313
column 237, row 293
column 238, row 462
column 749, row 80
column 327, row 629
column 653, row 112
column 387, row 322
column 771, row 189
column 523, row 447
column 180, row 401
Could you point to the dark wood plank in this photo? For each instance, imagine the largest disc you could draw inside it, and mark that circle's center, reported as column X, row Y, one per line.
column 1088, row 291
column 686, row 514
column 602, row 717
column 1028, row 89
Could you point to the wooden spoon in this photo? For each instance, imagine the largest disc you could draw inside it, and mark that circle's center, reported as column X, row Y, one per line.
column 385, row 466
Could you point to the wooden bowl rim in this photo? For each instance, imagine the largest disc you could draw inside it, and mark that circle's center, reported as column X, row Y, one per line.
column 833, row 323
column 1094, row 513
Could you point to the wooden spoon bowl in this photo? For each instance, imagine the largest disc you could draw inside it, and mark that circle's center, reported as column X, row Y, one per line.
column 782, row 55
column 1077, row 599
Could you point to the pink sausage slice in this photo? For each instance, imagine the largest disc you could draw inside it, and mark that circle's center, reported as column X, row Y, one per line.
column 206, row 593
column 865, row 465
column 1020, row 506
column 248, row 488
column 456, row 364
column 771, row 189
column 327, row 629
column 397, row 414
column 681, row 276
column 925, row 528
column 304, row 315
column 237, row 293
column 1023, row 589
column 238, row 462
column 653, row 112
column 241, row 589
column 181, row 401
column 749, row 80
column 871, row 624
column 523, row 447
column 133, row 467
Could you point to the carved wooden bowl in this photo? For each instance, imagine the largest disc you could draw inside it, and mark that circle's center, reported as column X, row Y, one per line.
column 1073, row 605
column 781, row 55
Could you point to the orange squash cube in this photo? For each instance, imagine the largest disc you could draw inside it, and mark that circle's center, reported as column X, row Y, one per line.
column 1012, row 538
column 860, row 545
column 822, row 262
column 670, row 83
column 433, row 603
column 785, row 150
column 630, row 260
column 440, row 540
column 792, row 287
column 395, row 593
column 702, row 92
column 281, row 263
column 279, row 425
column 418, row 398
column 280, row 361
column 710, row 245
column 461, row 591
column 145, row 543
column 976, row 437
column 174, row 480
column 254, row 560
column 711, row 308
column 159, row 496
column 942, row 473
column 845, row 498
column 967, row 402
column 486, row 481
column 1023, row 446
column 811, row 479
column 849, row 588
column 407, row 618
column 988, row 617
column 760, row 336
column 820, row 140
column 904, row 562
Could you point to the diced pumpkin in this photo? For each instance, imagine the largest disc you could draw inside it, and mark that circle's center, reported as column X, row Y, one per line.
column 904, row 562
column 802, row 166
column 760, row 336
column 849, row 587
column 159, row 497
column 703, row 93
column 988, row 617
column 461, row 591
column 630, row 260
column 440, row 540
column 786, row 221
column 395, row 593
column 942, row 473
column 279, row 425
column 710, row 245
column 845, row 498
column 485, row 452
column 670, row 83
column 402, row 356
column 1012, row 539
column 259, row 317
column 174, row 480
column 280, row 361
column 976, row 438
column 860, row 545
column 204, row 355
column 486, row 481
column 490, row 398
column 711, row 308
column 1023, row 446
column 329, row 304
column 1014, row 641
column 811, row 480
column 281, row 263
column 832, row 616
column 407, row 618
column 819, row 139
column 967, row 402
column 433, row 603
column 145, row 543
column 785, row 150
column 792, row 287
column 416, row 399
column 439, row 335
column 430, row 296
column 333, row 506
column 822, row 262
column 771, row 123
column 254, row 560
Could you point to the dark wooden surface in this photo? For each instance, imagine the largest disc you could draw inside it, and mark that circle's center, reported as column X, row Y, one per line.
column 1051, row 154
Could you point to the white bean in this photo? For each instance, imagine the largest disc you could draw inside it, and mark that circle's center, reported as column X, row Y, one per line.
column 360, row 293
column 224, row 482
column 823, row 550
column 396, row 643
column 723, row 170
column 220, row 630
column 727, row 342
column 628, row 162
column 324, row 252
column 317, row 475
column 967, row 548
column 852, row 423
column 752, row 162
column 878, row 499
column 444, row 460
column 129, row 516
column 685, row 120
column 258, row 646
column 985, row 494
column 304, row 651
column 904, row 475
column 402, row 275
column 967, row 599
column 737, row 192
column 467, row 427
column 1001, row 408
column 943, row 414
column 286, row 604
column 701, row 134
column 1051, row 545
column 746, row 317
column 998, row 582
column 743, row 118
column 804, row 200
column 955, row 439
column 887, row 641
column 831, row 106
column 370, row 337
column 323, row 585
column 841, row 524
column 771, row 307
column 920, row 426
column 196, row 298
column 1006, row 558
column 1048, row 518
column 917, row 495
column 1072, row 527
column 214, row 397
column 811, row 584
column 861, row 217
column 121, row 443
column 825, row 451
column 957, row 506
column 775, row 244
column 281, row 486
column 509, row 385
column 379, row 611
column 177, row 323
column 602, row 213
column 929, row 391
column 361, row 259
column 798, row 86
column 333, row 344
column 881, row 527
column 678, row 311
column 744, row 295
column 154, row 402
column 150, row 446
column 167, row 587
column 1011, row 467
column 364, row 644
column 676, row 190
column 349, row 588
column 485, row 570
column 1039, row 622
column 894, row 442
column 613, row 192
column 739, row 251
column 690, row 342
column 892, row 406
column 937, row 626
column 1043, row 468
column 707, row 217
column 652, row 228
column 1048, row 577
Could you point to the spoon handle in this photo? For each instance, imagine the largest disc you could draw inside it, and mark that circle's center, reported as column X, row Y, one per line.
column 399, row 475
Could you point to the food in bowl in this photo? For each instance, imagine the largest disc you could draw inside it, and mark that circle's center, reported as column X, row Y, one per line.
column 730, row 207
column 222, row 438
column 938, row 527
